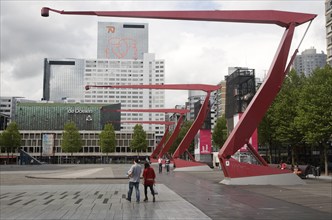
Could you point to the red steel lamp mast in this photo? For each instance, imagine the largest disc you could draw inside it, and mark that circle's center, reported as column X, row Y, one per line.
column 236, row 172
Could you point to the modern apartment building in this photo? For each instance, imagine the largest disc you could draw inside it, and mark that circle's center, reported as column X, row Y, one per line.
column 220, row 101
column 308, row 61
column 328, row 25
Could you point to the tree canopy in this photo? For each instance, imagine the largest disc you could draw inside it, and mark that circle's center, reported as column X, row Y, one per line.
column 71, row 138
column 139, row 141
column 300, row 116
column 107, row 140
column 10, row 138
column 219, row 134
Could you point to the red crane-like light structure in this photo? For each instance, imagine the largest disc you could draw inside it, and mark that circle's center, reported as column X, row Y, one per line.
column 161, row 150
column 234, row 171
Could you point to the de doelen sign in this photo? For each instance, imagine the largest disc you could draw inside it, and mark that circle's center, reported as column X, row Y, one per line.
column 79, row 111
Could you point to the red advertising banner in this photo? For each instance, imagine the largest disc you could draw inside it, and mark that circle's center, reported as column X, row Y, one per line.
column 205, row 141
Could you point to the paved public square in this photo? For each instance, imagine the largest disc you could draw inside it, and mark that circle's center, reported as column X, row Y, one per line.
column 99, row 192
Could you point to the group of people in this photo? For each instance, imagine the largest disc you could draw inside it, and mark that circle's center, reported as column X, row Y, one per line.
column 294, row 168
column 160, row 163
column 134, row 175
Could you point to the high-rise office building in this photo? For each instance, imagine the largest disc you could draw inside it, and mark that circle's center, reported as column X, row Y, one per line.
column 308, row 61
column 128, row 72
column 63, row 79
column 328, row 25
column 122, row 40
column 123, row 59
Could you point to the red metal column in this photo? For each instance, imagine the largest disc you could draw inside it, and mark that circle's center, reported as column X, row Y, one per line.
column 160, row 145
column 253, row 115
column 171, row 138
column 197, row 124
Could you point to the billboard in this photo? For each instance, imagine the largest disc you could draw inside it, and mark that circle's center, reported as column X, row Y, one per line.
column 118, row 40
column 47, row 144
column 204, row 141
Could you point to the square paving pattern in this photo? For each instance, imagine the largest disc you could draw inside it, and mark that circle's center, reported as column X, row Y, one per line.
column 96, row 201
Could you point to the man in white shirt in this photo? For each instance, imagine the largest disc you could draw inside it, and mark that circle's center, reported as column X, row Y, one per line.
column 160, row 163
column 134, row 175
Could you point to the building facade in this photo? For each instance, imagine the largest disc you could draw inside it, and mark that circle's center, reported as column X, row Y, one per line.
column 123, row 59
column 39, row 120
column 308, row 61
column 220, row 101
column 107, row 72
column 7, row 105
column 53, row 116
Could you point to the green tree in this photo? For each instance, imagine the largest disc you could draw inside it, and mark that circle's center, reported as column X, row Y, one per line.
column 265, row 135
column 107, row 140
column 139, row 142
column 314, row 117
column 11, row 139
column 219, row 134
column 71, row 139
column 283, row 112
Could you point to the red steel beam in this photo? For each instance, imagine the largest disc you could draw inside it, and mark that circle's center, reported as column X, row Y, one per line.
column 160, row 145
column 203, row 87
column 197, row 124
column 147, row 122
column 171, row 138
column 159, row 150
column 156, row 110
column 281, row 18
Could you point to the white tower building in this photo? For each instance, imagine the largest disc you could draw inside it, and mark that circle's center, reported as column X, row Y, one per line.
column 128, row 72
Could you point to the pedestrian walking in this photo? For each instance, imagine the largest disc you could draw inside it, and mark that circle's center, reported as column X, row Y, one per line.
column 149, row 180
column 167, row 162
column 160, row 163
column 134, row 175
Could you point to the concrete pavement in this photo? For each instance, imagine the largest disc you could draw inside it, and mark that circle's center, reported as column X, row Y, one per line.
column 99, row 191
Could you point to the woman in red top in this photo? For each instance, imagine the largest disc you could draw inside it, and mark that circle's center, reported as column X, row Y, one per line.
column 149, row 176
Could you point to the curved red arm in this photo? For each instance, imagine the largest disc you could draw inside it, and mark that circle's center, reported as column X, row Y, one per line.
column 281, row 18
column 203, row 87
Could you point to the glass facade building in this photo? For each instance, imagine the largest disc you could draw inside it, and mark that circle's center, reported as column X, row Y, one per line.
column 35, row 120
column 63, row 79
column 53, row 116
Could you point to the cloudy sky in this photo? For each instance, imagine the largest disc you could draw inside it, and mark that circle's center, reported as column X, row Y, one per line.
column 194, row 51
